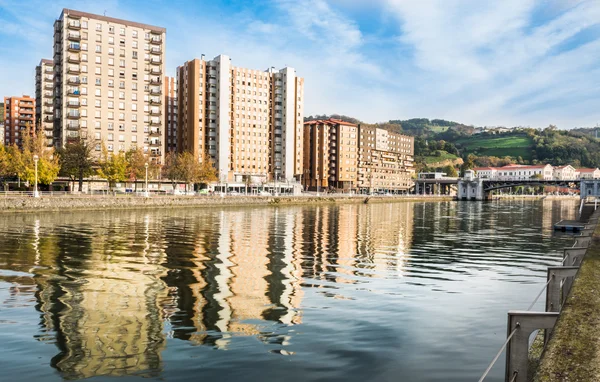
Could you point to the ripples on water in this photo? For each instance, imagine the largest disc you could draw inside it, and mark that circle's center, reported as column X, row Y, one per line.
column 402, row 291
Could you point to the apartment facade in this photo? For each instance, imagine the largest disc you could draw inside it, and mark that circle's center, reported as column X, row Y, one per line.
column 44, row 99
column 516, row 172
column 331, row 154
column 108, row 83
column 247, row 122
column 385, row 160
column 588, row 173
column 19, row 115
column 2, row 122
column 567, row 172
column 170, row 92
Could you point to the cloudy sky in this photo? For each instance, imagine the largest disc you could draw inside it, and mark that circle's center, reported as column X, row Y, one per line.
column 482, row 62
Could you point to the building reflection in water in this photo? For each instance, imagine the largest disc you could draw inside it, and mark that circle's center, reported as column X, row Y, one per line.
column 114, row 289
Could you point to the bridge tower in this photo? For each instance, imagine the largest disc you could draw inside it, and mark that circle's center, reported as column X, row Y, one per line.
column 470, row 187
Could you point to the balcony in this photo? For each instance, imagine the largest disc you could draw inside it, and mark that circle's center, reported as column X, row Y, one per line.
column 154, row 122
column 73, row 70
column 74, row 58
column 155, row 61
column 49, row 70
column 73, row 125
column 155, row 112
column 155, row 81
column 155, row 101
column 74, row 47
column 155, row 40
column 73, row 104
column 73, row 36
column 48, row 102
column 73, row 115
column 73, row 81
column 48, row 118
column 48, row 78
column 73, row 92
column 156, row 71
column 155, row 51
column 154, row 132
column 48, row 86
column 75, row 25
column 155, row 143
column 48, row 110
column 155, row 91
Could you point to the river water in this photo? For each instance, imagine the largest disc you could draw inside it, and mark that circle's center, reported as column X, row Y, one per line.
column 379, row 292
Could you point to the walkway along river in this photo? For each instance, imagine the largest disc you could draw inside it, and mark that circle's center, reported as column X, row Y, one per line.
column 414, row 291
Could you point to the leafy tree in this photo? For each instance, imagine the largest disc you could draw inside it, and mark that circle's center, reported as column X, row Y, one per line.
column 468, row 164
column 189, row 168
column 450, row 171
column 113, row 167
column 208, row 172
column 136, row 165
column 76, row 161
column 24, row 165
column 6, row 167
column 171, row 168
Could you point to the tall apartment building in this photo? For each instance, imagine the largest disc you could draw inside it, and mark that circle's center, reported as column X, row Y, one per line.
column 2, row 122
column 385, row 160
column 248, row 122
column 170, row 92
column 344, row 156
column 19, row 114
column 44, row 99
column 330, row 154
column 108, row 82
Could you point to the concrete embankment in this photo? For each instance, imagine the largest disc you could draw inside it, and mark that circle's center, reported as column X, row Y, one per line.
column 573, row 352
column 72, row 202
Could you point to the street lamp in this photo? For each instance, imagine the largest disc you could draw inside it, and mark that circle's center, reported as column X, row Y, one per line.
column 36, row 193
column 146, row 194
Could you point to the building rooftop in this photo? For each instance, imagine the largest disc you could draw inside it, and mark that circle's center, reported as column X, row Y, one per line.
column 74, row 13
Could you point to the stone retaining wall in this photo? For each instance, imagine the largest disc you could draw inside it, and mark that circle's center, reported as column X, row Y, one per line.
column 61, row 203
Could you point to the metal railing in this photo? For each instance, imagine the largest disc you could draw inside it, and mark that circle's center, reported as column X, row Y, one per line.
column 521, row 324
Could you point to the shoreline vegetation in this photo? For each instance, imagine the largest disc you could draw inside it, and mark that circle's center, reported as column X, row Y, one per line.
column 94, row 203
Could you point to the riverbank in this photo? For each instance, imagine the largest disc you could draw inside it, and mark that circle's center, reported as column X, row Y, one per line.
column 90, row 203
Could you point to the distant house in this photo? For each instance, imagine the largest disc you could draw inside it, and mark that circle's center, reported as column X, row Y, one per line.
column 588, row 173
column 486, row 172
column 567, row 172
column 516, row 172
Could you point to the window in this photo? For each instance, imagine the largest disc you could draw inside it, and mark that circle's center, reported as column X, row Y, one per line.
column 98, row 92
column 84, row 102
column 111, row 72
column 134, row 138
column 122, row 52
column 109, row 147
column 98, row 49
column 133, row 117
column 121, row 95
column 83, row 57
column 134, row 54
column 110, row 136
column 98, row 27
column 98, row 38
column 98, row 115
column 98, row 103
column 134, row 33
column 122, row 63
column 134, row 86
column 84, row 47
column 121, row 105
column 84, row 24
column 121, row 84
column 135, row 65
column 111, row 83
column 98, row 71
column 134, row 106
column 111, row 61
column 134, row 96
column 111, row 126
column 134, row 76
column 97, row 135
column 134, row 45
column 121, row 116
column 98, row 60
column 134, row 128
column 111, row 40
column 121, row 137
column 111, row 51
column 111, row 115
column 97, row 147
column 111, row 29
column 122, row 32
column 84, row 68
column 111, row 94
column 111, row 105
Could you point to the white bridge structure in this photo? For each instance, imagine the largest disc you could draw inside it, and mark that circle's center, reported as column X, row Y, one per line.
column 471, row 187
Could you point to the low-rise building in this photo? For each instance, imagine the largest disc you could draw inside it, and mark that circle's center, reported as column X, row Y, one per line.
column 567, row 172
column 588, row 173
column 19, row 115
column 516, row 172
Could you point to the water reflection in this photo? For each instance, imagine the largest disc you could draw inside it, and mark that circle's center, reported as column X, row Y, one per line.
column 112, row 289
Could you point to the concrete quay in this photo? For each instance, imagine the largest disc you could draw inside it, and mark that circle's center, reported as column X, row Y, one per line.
column 99, row 202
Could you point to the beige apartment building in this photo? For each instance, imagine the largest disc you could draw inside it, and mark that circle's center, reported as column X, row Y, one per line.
column 170, row 92
column 330, row 154
column 385, row 161
column 345, row 156
column 247, row 122
column 108, row 83
column 19, row 115
column 44, row 99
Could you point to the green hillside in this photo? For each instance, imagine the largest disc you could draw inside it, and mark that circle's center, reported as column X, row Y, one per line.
column 513, row 145
column 439, row 156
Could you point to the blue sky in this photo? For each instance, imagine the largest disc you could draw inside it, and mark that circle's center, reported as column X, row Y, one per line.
column 482, row 62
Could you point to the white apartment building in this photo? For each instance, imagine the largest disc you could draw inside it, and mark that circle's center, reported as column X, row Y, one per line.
column 567, row 172
column 588, row 173
column 44, row 99
column 248, row 122
column 108, row 83
column 515, row 172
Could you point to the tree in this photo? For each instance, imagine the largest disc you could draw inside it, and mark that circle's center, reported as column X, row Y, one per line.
column 189, row 168
column 171, row 168
column 76, row 161
column 208, row 172
column 136, row 165
column 468, row 164
column 450, row 171
column 24, row 166
column 113, row 167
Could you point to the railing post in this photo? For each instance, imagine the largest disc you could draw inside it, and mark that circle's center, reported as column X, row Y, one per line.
column 573, row 256
column 517, row 351
column 556, row 275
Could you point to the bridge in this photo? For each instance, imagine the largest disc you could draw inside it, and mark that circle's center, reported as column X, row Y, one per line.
column 473, row 188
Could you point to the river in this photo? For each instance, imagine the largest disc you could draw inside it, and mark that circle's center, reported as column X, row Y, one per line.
column 379, row 292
